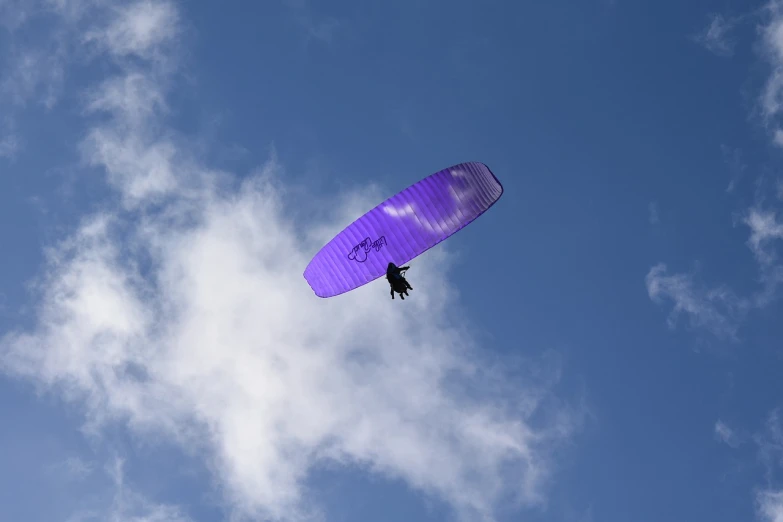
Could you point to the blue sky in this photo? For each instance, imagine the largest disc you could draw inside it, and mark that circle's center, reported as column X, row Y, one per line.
column 603, row 345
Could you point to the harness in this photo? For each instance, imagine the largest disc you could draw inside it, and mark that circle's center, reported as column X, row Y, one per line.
column 400, row 274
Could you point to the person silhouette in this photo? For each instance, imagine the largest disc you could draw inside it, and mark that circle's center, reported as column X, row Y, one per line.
column 397, row 281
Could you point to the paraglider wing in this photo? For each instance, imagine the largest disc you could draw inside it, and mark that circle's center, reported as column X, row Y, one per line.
column 402, row 227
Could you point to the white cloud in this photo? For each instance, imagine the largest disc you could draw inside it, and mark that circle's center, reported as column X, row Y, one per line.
column 127, row 505
column 715, row 37
column 35, row 74
column 772, row 43
column 765, row 228
column 12, row 14
column 727, row 435
column 8, row 146
column 9, row 139
column 770, row 442
column 733, row 159
column 716, row 309
column 319, row 28
column 137, row 158
column 770, row 506
column 135, row 149
column 190, row 319
column 772, row 92
column 73, row 469
column 719, row 309
column 36, row 71
column 222, row 345
column 133, row 100
column 140, row 28
column 652, row 213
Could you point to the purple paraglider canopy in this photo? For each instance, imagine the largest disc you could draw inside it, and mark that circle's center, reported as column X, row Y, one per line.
column 402, row 227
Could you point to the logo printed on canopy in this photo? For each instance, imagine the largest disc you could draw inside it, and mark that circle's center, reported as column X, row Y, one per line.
column 360, row 251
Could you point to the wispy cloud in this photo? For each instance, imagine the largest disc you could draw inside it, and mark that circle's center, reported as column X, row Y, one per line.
column 36, row 74
column 765, row 228
column 652, row 213
column 727, row 435
column 715, row 37
column 137, row 159
column 716, row 309
column 766, row 231
column 12, row 14
column 9, row 139
column 127, row 505
column 142, row 29
column 772, row 45
column 773, row 42
column 733, row 159
column 184, row 315
column 770, row 442
column 8, row 146
column 316, row 27
column 770, row 506
column 73, row 469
